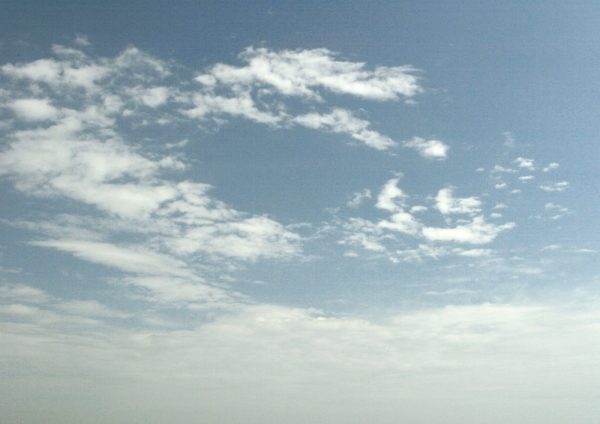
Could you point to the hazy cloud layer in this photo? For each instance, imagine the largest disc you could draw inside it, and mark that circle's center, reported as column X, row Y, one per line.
column 415, row 356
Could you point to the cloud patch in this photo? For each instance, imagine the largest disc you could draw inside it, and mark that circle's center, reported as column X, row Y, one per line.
column 380, row 236
column 430, row 149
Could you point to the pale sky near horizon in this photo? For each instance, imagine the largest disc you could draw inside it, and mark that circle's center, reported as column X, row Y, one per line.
column 299, row 212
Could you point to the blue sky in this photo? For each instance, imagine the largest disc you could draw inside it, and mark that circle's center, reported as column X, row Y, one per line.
column 268, row 212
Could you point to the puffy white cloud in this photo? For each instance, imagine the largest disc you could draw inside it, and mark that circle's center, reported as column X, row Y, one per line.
column 155, row 96
column 391, row 197
column 525, row 163
column 381, row 236
column 34, row 109
column 431, row 149
column 447, row 204
column 46, row 70
column 241, row 105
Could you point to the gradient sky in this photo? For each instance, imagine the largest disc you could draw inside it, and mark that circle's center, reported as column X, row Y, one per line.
column 299, row 212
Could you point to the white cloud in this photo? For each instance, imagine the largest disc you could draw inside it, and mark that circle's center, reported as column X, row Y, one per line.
column 551, row 166
column 125, row 259
column 364, row 233
column 63, row 160
column 82, row 40
column 391, row 197
column 476, row 232
column 82, row 153
column 155, row 96
column 430, row 149
column 381, row 236
column 526, row 177
column 246, row 239
column 45, row 70
column 301, row 72
column 342, row 121
column 241, row 105
column 447, row 204
column 560, row 186
column 559, row 210
column 401, row 222
column 498, row 168
column 250, row 92
column 358, row 198
column 157, row 277
column 256, row 92
column 167, row 234
column 525, row 163
column 476, row 253
column 34, row 109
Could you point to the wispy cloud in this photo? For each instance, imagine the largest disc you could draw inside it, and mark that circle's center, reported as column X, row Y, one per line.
column 358, row 198
column 342, row 121
column 301, row 72
column 551, row 166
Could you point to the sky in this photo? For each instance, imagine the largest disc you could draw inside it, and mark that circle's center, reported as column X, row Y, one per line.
column 299, row 212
